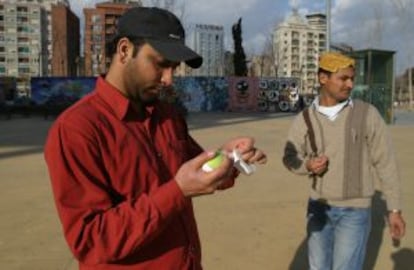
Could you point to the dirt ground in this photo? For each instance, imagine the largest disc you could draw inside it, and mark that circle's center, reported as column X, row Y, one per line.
column 259, row 224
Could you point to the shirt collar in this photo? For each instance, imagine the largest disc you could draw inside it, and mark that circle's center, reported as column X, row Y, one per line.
column 120, row 104
column 333, row 111
column 315, row 102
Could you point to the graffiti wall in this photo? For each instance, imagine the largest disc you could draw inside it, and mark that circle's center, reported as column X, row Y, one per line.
column 60, row 90
column 195, row 94
column 238, row 93
column 278, row 94
column 202, row 94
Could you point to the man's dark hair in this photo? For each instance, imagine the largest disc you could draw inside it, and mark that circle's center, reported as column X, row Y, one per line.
column 112, row 44
column 321, row 70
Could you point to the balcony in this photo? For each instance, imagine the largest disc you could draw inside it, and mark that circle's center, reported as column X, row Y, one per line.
column 110, row 21
column 295, row 42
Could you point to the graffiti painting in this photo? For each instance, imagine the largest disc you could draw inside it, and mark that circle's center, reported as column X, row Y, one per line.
column 60, row 90
column 278, row 95
column 243, row 93
column 202, row 94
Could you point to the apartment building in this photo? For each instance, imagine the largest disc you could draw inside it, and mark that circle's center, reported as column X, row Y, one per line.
column 22, row 44
column 65, row 42
column 100, row 23
column 208, row 41
column 298, row 42
column 26, row 45
column 46, row 30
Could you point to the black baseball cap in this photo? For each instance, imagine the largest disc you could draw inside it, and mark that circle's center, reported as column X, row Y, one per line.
column 162, row 30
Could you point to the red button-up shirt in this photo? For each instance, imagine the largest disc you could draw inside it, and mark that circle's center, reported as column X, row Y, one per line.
column 112, row 178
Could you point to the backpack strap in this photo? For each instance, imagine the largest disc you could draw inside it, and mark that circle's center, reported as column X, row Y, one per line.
column 311, row 132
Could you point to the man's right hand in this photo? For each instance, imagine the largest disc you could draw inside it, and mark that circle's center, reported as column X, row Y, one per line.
column 193, row 181
column 317, row 165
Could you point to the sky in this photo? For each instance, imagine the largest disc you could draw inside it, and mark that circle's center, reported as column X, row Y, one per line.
column 363, row 24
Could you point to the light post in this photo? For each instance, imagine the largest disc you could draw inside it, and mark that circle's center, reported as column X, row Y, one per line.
column 39, row 60
column 77, row 63
column 328, row 25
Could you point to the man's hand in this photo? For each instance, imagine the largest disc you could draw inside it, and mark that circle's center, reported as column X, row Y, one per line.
column 247, row 149
column 397, row 225
column 193, row 181
column 317, row 165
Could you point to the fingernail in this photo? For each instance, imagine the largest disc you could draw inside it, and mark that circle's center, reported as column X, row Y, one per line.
column 211, row 153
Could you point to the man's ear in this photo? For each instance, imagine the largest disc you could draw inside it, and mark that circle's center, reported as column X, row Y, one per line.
column 123, row 48
column 323, row 77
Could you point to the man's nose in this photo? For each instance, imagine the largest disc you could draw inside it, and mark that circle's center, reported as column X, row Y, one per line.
column 350, row 84
column 167, row 76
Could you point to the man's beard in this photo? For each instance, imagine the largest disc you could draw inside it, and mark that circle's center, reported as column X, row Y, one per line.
column 150, row 102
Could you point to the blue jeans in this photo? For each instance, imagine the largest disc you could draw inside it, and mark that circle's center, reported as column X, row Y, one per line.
column 337, row 236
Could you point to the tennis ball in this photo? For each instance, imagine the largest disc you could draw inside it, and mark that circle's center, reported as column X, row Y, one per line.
column 213, row 163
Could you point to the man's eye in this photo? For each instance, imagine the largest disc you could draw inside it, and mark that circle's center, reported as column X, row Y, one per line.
column 163, row 64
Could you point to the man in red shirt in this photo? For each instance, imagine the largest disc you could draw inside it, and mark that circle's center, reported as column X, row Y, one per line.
column 122, row 163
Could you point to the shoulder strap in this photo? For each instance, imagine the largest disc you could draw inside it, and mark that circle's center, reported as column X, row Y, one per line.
column 311, row 133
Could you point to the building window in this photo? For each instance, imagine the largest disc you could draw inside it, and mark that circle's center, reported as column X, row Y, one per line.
column 22, row 19
column 96, row 18
column 24, row 70
column 96, row 48
column 24, row 29
column 23, row 60
column 22, row 39
column 96, row 38
column 23, row 49
column 96, row 28
column 22, row 9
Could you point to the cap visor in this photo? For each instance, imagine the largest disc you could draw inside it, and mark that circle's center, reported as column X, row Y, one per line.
column 177, row 52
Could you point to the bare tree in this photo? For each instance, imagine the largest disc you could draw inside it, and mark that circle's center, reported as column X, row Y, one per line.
column 269, row 54
column 264, row 62
column 267, row 61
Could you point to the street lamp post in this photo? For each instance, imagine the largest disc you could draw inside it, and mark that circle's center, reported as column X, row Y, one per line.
column 328, row 25
column 39, row 60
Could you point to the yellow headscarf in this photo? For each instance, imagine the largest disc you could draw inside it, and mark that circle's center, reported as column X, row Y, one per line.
column 333, row 61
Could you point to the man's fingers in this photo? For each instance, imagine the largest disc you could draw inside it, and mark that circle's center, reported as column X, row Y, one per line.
column 202, row 158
